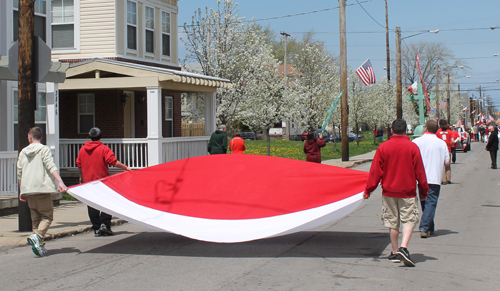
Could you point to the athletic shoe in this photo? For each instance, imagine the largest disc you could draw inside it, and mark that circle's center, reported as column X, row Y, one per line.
column 393, row 258
column 105, row 230
column 97, row 232
column 404, row 255
column 34, row 241
column 424, row 234
column 43, row 250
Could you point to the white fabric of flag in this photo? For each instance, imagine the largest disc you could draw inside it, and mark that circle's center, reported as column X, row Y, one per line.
column 366, row 73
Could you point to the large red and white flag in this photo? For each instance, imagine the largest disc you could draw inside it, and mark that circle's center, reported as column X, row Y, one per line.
column 366, row 73
column 228, row 198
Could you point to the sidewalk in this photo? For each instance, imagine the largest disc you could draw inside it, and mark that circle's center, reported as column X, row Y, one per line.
column 71, row 217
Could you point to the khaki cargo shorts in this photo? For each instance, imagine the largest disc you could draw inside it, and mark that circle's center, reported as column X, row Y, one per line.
column 399, row 211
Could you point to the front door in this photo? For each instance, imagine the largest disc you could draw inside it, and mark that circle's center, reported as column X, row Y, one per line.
column 128, row 116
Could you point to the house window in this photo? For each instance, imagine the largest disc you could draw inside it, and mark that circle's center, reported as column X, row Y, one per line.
column 169, row 116
column 40, row 19
column 165, row 33
column 63, row 24
column 40, row 115
column 86, row 105
column 150, row 29
column 131, row 25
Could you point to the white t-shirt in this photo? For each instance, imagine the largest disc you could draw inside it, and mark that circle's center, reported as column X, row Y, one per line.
column 434, row 152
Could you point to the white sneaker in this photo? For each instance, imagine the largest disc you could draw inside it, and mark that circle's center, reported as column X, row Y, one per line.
column 34, row 241
column 43, row 250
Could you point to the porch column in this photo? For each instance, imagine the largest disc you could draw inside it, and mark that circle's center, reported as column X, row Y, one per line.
column 154, row 126
column 210, row 111
column 52, row 98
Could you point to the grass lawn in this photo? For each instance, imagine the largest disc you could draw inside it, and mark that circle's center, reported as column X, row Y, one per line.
column 294, row 149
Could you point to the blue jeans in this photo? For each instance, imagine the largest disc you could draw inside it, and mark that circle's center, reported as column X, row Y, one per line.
column 429, row 208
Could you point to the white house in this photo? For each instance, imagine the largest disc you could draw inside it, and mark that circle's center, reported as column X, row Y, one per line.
column 124, row 77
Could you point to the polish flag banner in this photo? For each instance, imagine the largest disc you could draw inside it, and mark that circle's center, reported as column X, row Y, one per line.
column 465, row 109
column 228, row 198
column 413, row 88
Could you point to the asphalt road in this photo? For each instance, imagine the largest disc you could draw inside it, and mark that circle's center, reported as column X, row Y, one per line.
column 464, row 253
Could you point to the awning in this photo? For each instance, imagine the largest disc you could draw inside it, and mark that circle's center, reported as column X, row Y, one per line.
column 101, row 73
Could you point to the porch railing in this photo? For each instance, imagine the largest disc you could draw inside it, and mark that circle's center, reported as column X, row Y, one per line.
column 132, row 152
column 177, row 148
column 8, row 173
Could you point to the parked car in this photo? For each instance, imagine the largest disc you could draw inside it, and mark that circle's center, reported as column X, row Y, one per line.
column 248, row 135
column 338, row 138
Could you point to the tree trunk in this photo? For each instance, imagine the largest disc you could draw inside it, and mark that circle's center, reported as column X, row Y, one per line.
column 357, row 134
column 268, row 145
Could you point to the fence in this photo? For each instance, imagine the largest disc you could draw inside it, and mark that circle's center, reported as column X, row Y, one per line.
column 8, row 173
column 132, row 152
column 193, row 129
column 184, row 147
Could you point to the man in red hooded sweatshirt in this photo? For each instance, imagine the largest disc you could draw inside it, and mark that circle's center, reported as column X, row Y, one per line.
column 397, row 165
column 92, row 162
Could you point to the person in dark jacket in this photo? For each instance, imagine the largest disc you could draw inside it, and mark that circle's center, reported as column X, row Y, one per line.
column 492, row 145
column 312, row 148
column 218, row 141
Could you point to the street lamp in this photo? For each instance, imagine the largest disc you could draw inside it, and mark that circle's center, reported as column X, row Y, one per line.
column 494, row 27
column 496, row 55
column 399, row 85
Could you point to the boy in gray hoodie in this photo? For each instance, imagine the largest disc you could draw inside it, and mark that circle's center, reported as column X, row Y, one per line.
column 36, row 173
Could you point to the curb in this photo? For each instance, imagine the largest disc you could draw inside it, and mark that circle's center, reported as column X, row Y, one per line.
column 62, row 234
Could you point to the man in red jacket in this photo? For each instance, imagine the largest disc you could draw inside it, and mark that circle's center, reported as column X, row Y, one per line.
column 92, row 162
column 397, row 165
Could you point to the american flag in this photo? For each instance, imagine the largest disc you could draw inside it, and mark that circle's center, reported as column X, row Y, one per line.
column 366, row 73
column 443, row 105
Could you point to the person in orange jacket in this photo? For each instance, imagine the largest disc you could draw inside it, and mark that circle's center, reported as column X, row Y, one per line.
column 237, row 144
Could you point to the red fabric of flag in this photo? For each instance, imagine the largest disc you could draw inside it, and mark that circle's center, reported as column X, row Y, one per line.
column 366, row 73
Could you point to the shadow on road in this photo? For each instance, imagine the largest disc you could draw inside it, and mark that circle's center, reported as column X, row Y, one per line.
column 441, row 232
column 302, row 244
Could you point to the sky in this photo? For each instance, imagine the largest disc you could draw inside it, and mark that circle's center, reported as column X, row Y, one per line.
column 464, row 28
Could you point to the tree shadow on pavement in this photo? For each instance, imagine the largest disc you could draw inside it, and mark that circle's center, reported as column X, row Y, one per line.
column 303, row 244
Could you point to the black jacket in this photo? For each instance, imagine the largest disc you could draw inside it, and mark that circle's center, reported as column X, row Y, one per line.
column 492, row 144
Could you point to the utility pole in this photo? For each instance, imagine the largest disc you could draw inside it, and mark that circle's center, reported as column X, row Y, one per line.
column 437, row 92
column 399, row 89
column 481, row 98
column 470, row 109
column 449, row 100
column 343, row 81
column 27, row 92
column 286, row 35
column 387, row 43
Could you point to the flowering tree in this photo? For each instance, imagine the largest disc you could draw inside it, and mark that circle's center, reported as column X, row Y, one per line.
column 216, row 40
column 317, row 86
column 264, row 103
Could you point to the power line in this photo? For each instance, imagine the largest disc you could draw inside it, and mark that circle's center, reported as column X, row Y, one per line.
column 370, row 15
column 293, row 15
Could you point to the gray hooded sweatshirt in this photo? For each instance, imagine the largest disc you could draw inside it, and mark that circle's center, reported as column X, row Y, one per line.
column 35, row 166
